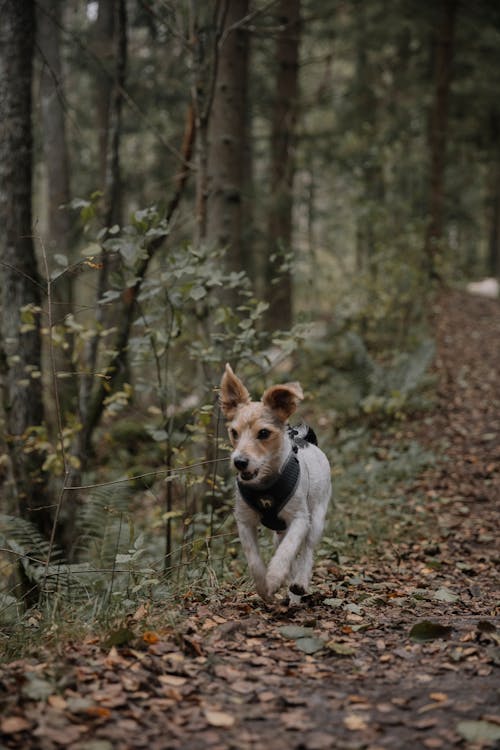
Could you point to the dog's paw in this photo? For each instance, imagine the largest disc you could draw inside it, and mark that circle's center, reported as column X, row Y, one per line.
column 297, row 589
column 273, row 582
column 295, row 594
column 264, row 593
column 259, row 578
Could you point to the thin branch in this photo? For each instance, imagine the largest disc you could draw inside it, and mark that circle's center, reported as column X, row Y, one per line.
column 173, row 470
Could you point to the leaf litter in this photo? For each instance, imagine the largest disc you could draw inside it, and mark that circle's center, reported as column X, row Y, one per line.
column 398, row 646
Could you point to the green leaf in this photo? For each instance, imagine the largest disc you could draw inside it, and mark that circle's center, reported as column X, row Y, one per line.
column 309, row 645
column 197, row 293
column 429, row 631
column 341, row 649
column 335, row 603
column 119, row 637
column 479, row 731
column 36, row 688
column 445, row 595
column 295, row 631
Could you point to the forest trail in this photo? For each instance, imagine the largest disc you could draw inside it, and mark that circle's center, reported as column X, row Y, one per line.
column 342, row 672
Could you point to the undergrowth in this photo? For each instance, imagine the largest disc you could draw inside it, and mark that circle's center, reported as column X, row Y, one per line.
column 162, row 532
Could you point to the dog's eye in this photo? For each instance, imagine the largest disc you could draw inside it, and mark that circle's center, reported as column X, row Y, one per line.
column 234, row 434
column 263, row 434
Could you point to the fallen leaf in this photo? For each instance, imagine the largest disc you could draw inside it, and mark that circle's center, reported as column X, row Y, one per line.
column 341, row 649
column 57, row 701
column 296, row 720
column 445, row 595
column 309, row 645
column 99, row 711
column 243, row 687
column 219, row 718
column 433, row 742
column 172, row 680
column 227, row 672
column 36, row 688
column 140, row 613
column 479, row 731
column 485, row 626
column 333, row 602
column 14, row 724
column 429, row 631
column 119, row 637
column 438, row 697
column 355, row 722
column 265, row 696
column 150, row 637
column 295, row 631
column 318, row 741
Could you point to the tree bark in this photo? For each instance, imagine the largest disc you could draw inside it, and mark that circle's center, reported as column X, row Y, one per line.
column 372, row 190
column 90, row 396
column 20, row 356
column 56, row 158
column 278, row 276
column 494, row 190
column 104, row 50
column 438, row 132
column 227, row 128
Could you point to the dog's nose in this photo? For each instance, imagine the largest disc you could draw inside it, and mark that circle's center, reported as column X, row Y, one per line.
column 241, row 463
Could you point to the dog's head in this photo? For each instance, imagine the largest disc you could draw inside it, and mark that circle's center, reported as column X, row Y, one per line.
column 257, row 429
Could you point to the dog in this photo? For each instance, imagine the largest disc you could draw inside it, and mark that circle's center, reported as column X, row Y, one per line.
column 283, row 481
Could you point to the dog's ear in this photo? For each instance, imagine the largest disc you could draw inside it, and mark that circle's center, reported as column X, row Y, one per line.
column 283, row 399
column 232, row 393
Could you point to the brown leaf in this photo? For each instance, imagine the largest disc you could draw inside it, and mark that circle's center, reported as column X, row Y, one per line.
column 14, row 724
column 219, row 718
column 172, row 680
column 57, row 701
column 355, row 722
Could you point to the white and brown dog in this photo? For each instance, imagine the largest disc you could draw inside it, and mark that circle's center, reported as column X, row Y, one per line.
column 283, row 482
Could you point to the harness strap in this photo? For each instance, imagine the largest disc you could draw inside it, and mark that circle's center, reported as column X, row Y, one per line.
column 268, row 501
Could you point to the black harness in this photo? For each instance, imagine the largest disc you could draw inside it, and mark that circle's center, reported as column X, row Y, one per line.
column 268, row 501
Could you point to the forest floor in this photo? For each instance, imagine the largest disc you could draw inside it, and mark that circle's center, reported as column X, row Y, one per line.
column 400, row 649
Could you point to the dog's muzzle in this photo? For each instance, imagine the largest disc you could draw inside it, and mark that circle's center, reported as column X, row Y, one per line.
column 241, row 464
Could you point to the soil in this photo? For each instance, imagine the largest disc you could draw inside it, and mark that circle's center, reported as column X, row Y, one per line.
column 397, row 650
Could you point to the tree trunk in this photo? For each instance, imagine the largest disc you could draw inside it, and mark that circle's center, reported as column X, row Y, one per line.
column 372, row 187
column 438, row 132
column 21, row 287
column 59, row 234
column 104, row 51
column 278, row 275
column 89, row 398
column 494, row 189
column 226, row 173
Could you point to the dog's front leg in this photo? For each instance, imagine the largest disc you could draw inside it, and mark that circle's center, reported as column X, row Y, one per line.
column 248, row 538
column 281, row 562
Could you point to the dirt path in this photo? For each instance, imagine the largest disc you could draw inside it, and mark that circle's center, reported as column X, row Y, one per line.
column 342, row 672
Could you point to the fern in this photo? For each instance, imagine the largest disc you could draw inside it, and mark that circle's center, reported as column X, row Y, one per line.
column 25, row 542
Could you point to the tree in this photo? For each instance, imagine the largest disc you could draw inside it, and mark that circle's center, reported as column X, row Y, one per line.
column 282, row 167
column 227, row 128
column 91, row 398
column 57, row 174
column 494, row 195
column 438, row 129
column 20, row 356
